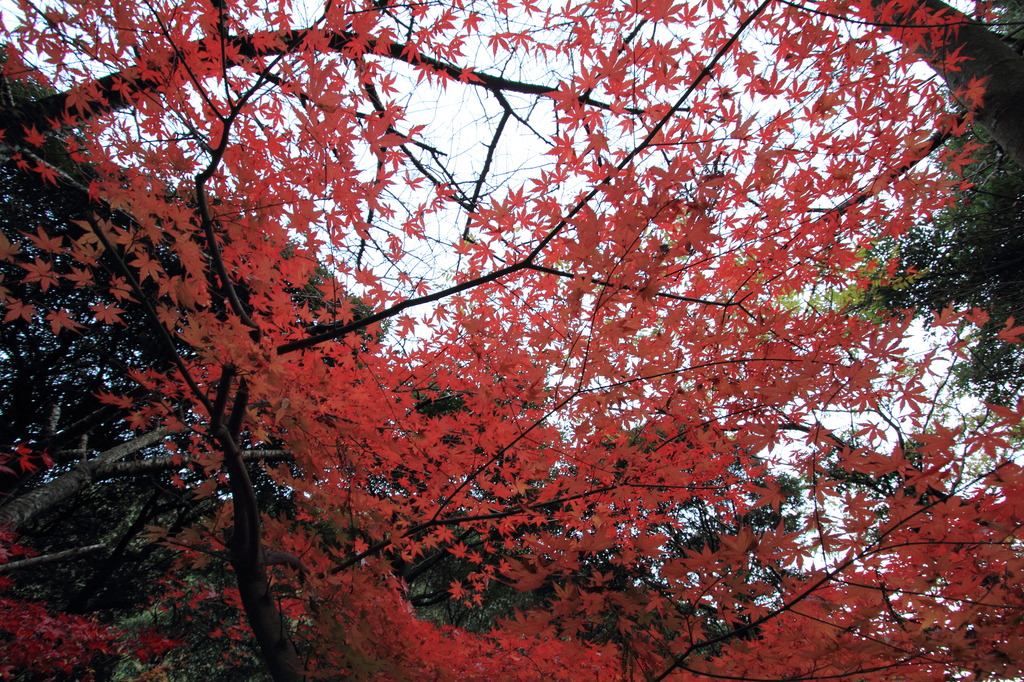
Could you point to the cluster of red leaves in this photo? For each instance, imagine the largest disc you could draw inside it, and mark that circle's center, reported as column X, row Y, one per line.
column 43, row 644
column 22, row 460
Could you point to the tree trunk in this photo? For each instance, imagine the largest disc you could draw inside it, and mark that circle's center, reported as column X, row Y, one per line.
column 966, row 53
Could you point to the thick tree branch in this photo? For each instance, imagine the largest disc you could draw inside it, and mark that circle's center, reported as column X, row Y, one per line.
column 25, row 507
column 164, row 463
column 51, row 558
column 248, row 557
column 122, row 89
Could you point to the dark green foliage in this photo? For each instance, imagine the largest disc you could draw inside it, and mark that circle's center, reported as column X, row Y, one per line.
column 971, row 256
column 432, row 578
column 48, row 382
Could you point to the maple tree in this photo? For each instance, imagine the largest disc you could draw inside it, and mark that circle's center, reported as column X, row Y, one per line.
column 536, row 312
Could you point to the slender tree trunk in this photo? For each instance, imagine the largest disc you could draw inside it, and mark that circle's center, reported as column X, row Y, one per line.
column 966, row 53
column 248, row 557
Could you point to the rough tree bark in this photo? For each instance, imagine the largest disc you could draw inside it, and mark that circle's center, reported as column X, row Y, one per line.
column 52, row 558
column 24, row 507
column 965, row 53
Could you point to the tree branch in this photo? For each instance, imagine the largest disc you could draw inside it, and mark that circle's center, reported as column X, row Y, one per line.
column 967, row 55
column 151, row 464
column 122, row 89
column 50, row 558
column 31, row 504
column 247, row 556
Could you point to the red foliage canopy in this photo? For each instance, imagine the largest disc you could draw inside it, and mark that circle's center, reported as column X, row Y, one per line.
column 560, row 294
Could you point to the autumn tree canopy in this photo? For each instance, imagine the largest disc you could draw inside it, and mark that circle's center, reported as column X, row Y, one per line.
column 359, row 318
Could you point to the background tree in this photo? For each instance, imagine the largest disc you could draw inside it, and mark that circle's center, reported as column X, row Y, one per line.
column 604, row 229
column 984, row 72
column 968, row 256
